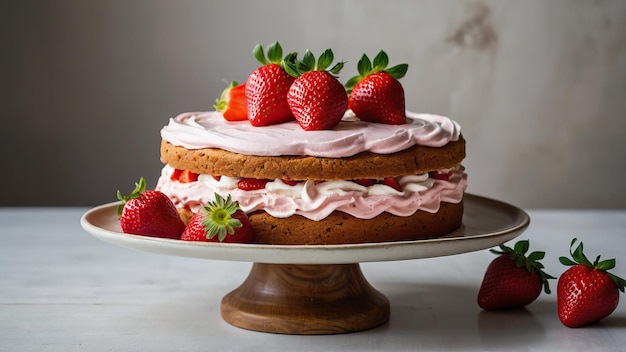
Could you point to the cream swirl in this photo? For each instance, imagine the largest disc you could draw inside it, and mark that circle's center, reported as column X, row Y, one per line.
column 198, row 130
column 316, row 200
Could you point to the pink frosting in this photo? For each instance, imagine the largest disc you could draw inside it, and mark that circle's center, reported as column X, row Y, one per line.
column 198, row 130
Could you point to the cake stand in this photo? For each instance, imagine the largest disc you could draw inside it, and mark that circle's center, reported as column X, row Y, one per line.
column 311, row 289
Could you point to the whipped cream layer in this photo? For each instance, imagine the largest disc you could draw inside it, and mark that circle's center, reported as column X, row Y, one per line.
column 199, row 130
column 316, row 200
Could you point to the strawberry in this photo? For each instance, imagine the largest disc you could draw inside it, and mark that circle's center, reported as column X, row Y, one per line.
column 251, row 184
column 184, row 176
column 289, row 182
column 316, row 98
column 366, row 182
column 393, row 183
column 221, row 220
column 376, row 95
column 267, row 87
column 187, row 176
column 513, row 280
column 586, row 292
column 149, row 213
column 444, row 176
column 176, row 174
column 232, row 102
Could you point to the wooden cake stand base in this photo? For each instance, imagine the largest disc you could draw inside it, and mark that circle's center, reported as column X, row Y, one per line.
column 305, row 300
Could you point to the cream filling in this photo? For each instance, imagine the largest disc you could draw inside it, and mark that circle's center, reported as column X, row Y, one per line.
column 315, row 200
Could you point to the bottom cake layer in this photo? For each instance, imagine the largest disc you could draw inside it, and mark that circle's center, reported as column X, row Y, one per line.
column 341, row 228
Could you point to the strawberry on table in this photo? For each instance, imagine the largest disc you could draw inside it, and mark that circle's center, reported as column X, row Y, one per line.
column 376, row 95
column 232, row 102
column 266, row 88
column 586, row 292
column 221, row 220
column 513, row 280
column 316, row 98
column 149, row 213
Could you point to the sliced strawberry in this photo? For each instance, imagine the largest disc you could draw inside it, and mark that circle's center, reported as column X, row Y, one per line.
column 216, row 177
column 445, row 176
column 393, row 183
column 289, row 182
column 221, row 220
column 365, row 181
column 251, row 184
column 176, row 174
column 232, row 102
column 184, row 176
column 187, row 176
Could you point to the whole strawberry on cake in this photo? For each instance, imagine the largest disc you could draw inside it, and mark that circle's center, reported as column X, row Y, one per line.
column 319, row 163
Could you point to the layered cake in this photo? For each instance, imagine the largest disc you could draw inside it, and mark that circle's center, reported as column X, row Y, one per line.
column 358, row 182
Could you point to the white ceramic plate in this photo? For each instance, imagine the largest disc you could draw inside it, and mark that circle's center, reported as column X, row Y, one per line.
column 486, row 223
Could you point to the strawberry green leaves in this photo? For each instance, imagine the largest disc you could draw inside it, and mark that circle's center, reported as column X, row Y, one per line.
column 296, row 68
column 274, row 54
column 218, row 220
column 381, row 61
column 579, row 258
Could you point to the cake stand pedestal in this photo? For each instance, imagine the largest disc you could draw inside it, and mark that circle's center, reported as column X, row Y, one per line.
column 305, row 299
column 301, row 289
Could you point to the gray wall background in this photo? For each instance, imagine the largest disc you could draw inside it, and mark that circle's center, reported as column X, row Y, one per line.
column 539, row 86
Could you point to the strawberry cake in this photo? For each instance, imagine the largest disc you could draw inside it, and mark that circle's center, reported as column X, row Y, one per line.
column 314, row 162
column 359, row 182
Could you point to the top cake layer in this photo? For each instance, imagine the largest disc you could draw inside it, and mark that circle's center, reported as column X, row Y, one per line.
column 200, row 130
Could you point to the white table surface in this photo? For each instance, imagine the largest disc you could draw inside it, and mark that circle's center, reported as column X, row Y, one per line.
column 63, row 290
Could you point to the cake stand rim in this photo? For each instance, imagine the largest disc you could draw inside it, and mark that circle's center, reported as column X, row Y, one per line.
column 507, row 222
